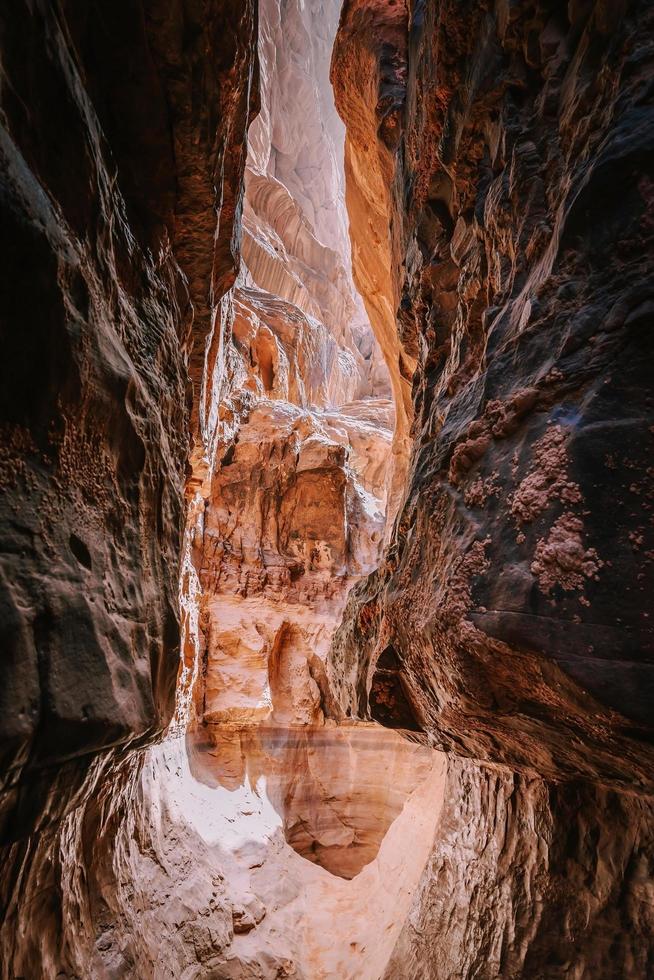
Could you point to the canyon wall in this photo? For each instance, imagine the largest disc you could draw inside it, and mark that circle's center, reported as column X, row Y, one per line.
column 122, row 155
column 250, row 840
column 122, row 161
column 515, row 594
column 498, row 197
column 507, row 147
column 528, row 878
column 292, row 510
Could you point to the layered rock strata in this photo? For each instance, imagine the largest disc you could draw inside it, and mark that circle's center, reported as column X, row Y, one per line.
column 210, row 853
column 102, row 232
column 514, row 146
column 532, row 879
column 122, row 153
column 188, row 871
column 507, row 621
column 507, row 146
column 292, row 510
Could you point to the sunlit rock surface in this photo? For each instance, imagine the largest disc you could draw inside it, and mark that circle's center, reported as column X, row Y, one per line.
column 368, row 80
column 291, row 523
column 260, row 843
column 337, row 790
column 294, row 499
column 187, row 871
column 277, row 831
column 295, row 243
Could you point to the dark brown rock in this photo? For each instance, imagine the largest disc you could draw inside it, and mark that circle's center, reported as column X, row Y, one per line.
column 517, row 586
column 122, row 156
column 512, row 610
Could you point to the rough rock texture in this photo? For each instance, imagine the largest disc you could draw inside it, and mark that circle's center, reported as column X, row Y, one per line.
column 530, row 879
column 507, row 619
column 368, row 80
column 186, row 872
column 515, row 594
column 291, row 510
column 337, row 790
column 295, row 241
column 291, row 523
column 244, row 851
column 121, row 161
column 96, row 329
column 510, row 147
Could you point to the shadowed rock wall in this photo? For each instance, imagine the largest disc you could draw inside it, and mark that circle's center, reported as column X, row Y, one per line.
column 532, row 879
column 122, row 154
column 516, row 591
column 499, row 193
column 508, row 149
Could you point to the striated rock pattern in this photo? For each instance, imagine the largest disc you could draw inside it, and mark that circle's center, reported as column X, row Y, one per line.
column 291, row 523
column 163, row 401
column 337, row 790
column 508, row 146
column 291, row 509
column 236, row 849
column 295, row 241
column 182, row 869
column 97, row 328
column 368, row 75
column 516, row 144
column 122, row 133
column 530, row 879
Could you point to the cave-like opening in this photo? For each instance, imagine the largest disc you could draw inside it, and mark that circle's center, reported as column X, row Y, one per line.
column 291, row 517
column 326, row 351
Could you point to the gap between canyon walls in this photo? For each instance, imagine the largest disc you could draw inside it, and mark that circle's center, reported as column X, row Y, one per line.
column 263, row 840
column 291, row 511
column 495, row 155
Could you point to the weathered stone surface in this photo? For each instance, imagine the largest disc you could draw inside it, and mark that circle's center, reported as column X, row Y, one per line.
column 509, row 620
column 108, row 159
column 530, row 879
column 119, row 192
column 287, row 481
column 291, row 509
column 295, row 241
column 182, row 867
column 368, row 79
column 515, row 592
column 497, row 155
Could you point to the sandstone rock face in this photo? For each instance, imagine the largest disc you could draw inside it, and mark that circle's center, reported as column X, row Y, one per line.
column 292, row 507
column 515, row 594
column 291, row 523
column 122, row 155
column 336, row 791
column 295, row 241
column 278, row 830
column 97, row 329
column 368, row 81
column 509, row 618
column 253, row 846
column 187, row 871
column 531, row 879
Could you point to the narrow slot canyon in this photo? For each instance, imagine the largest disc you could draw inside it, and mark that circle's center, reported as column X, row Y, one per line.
column 327, row 514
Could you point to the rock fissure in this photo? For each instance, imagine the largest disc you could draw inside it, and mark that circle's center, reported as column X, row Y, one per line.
column 326, row 425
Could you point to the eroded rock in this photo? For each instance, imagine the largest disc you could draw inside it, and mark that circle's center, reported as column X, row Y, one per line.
column 515, row 589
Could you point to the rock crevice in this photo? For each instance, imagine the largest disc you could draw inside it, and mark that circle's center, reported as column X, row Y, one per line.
column 371, row 446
